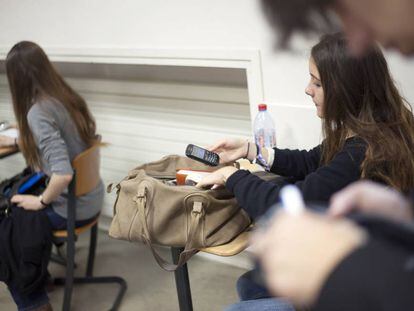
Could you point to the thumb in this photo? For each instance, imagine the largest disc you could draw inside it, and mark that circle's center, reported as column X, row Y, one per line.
column 340, row 206
column 224, row 157
column 217, row 146
column 203, row 183
column 16, row 198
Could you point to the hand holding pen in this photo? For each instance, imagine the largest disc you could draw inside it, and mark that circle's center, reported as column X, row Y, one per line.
column 298, row 249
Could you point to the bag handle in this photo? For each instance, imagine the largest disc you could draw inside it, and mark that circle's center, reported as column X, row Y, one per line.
column 114, row 185
column 111, row 187
column 189, row 250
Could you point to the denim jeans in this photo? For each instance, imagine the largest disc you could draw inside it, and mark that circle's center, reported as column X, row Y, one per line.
column 264, row 304
column 59, row 223
column 255, row 296
column 249, row 287
column 28, row 302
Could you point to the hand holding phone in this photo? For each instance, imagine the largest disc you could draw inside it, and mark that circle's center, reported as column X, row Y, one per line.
column 202, row 155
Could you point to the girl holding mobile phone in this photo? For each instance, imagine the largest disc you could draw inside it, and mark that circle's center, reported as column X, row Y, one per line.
column 368, row 132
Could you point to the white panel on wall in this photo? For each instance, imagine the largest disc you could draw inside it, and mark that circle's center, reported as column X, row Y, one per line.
column 144, row 121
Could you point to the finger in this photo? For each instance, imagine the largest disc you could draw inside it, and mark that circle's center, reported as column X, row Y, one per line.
column 20, row 204
column 223, row 157
column 342, row 203
column 16, row 198
column 204, row 184
column 211, row 179
column 218, row 145
column 216, row 186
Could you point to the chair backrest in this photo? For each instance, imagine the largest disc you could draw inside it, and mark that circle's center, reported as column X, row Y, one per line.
column 86, row 166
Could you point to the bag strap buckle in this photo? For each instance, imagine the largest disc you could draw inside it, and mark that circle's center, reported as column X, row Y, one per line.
column 141, row 195
column 197, row 207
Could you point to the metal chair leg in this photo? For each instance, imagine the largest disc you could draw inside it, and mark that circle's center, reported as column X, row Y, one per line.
column 102, row 280
column 70, row 270
column 60, row 260
column 57, row 259
column 182, row 282
column 70, row 280
column 97, row 280
column 92, row 250
column 70, row 245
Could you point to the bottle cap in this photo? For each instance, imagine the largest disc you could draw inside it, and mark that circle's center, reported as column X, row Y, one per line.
column 262, row 107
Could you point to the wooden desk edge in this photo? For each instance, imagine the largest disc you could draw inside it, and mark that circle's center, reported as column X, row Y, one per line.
column 7, row 151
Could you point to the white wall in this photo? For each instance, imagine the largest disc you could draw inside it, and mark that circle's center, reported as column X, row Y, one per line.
column 183, row 24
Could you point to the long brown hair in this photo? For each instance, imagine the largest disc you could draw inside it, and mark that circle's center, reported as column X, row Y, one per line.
column 31, row 78
column 361, row 98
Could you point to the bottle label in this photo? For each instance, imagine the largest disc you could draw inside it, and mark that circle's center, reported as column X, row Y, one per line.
column 266, row 138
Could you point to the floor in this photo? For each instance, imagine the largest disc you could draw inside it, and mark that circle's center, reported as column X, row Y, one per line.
column 149, row 287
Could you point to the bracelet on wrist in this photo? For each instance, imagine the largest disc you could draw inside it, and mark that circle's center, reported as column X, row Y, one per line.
column 43, row 202
column 260, row 159
column 247, row 152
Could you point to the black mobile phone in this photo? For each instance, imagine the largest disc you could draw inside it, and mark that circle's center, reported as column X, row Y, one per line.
column 202, row 155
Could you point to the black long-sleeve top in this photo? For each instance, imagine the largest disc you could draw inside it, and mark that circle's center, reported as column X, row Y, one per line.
column 317, row 182
column 378, row 276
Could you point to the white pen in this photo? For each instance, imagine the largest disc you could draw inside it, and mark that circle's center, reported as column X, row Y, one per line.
column 292, row 200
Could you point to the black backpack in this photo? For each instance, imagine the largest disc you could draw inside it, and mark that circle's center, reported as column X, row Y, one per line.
column 25, row 241
column 26, row 182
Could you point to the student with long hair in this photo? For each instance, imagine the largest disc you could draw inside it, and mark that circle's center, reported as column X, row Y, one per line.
column 55, row 125
column 368, row 133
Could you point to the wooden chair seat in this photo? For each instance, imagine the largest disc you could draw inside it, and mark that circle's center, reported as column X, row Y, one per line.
column 78, row 230
column 231, row 248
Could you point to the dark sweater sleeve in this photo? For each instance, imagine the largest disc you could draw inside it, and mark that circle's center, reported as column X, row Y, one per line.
column 255, row 196
column 296, row 163
column 378, row 276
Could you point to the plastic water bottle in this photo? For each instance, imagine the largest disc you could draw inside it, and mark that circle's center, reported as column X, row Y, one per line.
column 264, row 128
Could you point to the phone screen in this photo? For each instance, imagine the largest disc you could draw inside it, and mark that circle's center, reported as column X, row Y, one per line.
column 198, row 152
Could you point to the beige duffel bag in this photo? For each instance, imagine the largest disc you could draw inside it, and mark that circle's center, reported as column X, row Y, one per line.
column 150, row 210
